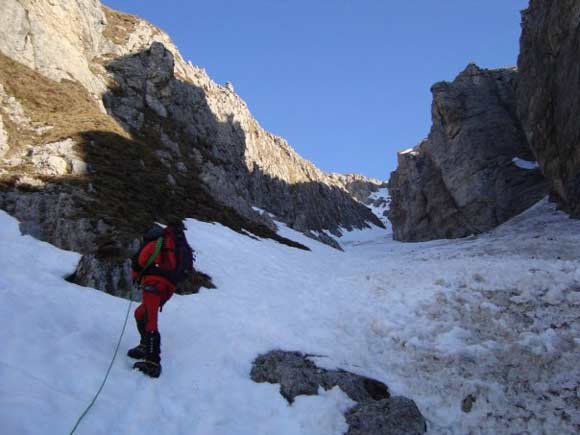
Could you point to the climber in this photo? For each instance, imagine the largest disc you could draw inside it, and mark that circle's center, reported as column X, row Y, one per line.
column 164, row 260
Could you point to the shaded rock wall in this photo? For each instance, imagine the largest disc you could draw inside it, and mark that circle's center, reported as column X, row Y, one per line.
column 421, row 206
column 246, row 166
column 150, row 98
column 548, row 94
column 462, row 179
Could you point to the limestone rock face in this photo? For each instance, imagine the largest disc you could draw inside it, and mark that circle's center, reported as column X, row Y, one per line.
column 360, row 187
column 57, row 38
column 241, row 164
column 49, row 215
column 548, row 94
column 3, row 139
column 421, row 206
column 57, row 159
column 462, row 179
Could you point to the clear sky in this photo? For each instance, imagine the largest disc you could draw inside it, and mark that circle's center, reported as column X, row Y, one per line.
column 345, row 82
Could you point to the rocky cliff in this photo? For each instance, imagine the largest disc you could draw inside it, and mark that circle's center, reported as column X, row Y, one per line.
column 105, row 128
column 359, row 187
column 241, row 164
column 466, row 177
column 548, row 97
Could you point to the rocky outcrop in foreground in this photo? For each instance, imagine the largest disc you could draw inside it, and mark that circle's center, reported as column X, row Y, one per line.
column 549, row 97
column 465, row 178
column 375, row 412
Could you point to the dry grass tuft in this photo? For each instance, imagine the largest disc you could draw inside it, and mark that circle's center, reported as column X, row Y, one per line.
column 119, row 25
column 64, row 106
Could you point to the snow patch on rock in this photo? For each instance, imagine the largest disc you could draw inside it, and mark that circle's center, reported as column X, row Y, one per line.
column 525, row 164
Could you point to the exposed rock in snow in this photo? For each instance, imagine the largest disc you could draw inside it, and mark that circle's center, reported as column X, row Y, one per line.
column 297, row 375
column 396, row 415
column 548, row 94
column 376, row 412
column 461, row 179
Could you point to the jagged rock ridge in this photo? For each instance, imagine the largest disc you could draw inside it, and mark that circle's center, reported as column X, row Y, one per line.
column 463, row 178
column 241, row 164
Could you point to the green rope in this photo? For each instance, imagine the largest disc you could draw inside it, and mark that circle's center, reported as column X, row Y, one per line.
column 108, row 371
column 147, row 264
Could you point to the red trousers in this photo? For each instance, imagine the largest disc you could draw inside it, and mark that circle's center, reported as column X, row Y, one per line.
column 156, row 291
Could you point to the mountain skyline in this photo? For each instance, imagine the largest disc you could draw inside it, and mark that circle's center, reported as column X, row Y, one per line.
column 347, row 85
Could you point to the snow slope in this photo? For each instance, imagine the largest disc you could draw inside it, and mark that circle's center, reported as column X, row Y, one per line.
column 379, row 202
column 493, row 317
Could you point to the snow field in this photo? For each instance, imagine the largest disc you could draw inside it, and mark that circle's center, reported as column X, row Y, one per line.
column 494, row 318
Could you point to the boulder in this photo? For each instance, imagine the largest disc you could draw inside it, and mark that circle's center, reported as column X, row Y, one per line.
column 464, row 178
column 57, row 159
column 393, row 416
column 548, row 95
column 375, row 412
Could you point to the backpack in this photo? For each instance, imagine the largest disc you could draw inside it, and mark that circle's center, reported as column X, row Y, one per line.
column 153, row 233
column 184, row 256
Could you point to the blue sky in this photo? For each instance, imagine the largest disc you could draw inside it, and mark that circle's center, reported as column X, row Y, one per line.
column 345, row 82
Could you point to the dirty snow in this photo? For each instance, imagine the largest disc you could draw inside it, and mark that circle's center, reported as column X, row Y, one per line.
column 489, row 321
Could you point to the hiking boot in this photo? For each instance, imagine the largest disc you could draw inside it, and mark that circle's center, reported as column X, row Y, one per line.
column 149, row 368
column 151, row 364
column 139, row 351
